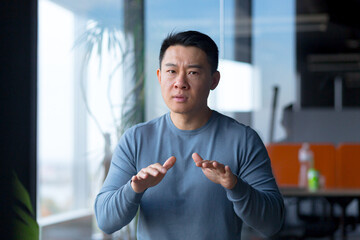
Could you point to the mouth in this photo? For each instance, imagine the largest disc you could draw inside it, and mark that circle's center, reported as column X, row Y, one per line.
column 180, row 98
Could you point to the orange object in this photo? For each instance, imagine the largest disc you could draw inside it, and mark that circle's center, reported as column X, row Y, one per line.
column 348, row 165
column 285, row 163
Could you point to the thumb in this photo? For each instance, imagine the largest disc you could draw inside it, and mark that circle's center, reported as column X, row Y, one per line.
column 169, row 163
column 196, row 157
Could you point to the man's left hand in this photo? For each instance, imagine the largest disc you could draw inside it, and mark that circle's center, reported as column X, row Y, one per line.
column 216, row 172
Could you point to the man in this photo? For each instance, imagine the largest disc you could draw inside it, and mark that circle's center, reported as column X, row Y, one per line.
column 194, row 173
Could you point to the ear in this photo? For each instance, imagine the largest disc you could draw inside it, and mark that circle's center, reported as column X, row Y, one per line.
column 158, row 73
column 215, row 80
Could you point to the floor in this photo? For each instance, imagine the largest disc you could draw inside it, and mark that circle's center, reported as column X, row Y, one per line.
column 80, row 232
column 249, row 234
column 84, row 230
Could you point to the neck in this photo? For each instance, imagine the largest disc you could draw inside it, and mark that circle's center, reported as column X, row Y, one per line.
column 191, row 121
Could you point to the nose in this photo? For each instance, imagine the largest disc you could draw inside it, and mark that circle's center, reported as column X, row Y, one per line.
column 181, row 82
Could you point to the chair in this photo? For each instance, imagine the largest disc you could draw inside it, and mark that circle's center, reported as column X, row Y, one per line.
column 325, row 162
column 348, row 168
column 285, row 163
column 285, row 166
column 348, row 165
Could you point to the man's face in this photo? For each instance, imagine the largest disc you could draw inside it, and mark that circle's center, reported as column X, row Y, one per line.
column 185, row 78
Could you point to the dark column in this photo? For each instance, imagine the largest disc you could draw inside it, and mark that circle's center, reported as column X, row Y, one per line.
column 18, row 80
column 243, row 31
column 134, row 28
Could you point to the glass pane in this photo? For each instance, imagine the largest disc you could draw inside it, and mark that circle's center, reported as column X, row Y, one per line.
column 81, row 47
column 164, row 17
column 56, row 108
column 273, row 53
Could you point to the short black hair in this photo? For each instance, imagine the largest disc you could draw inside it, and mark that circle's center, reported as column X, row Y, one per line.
column 193, row 39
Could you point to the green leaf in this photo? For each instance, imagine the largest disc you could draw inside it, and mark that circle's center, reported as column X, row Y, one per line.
column 25, row 225
column 24, row 232
column 21, row 194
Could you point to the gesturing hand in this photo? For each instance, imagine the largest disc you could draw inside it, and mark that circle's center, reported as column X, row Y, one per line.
column 216, row 172
column 151, row 175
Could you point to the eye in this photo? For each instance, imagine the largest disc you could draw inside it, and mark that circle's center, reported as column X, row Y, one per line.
column 170, row 71
column 193, row 73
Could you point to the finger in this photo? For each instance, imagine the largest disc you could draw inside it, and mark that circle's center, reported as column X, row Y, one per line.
column 213, row 166
column 228, row 170
column 154, row 170
column 135, row 182
column 218, row 167
column 169, row 163
column 142, row 174
column 205, row 164
column 209, row 164
column 196, row 157
column 134, row 178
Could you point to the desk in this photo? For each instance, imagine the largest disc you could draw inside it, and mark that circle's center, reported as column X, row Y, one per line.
column 340, row 196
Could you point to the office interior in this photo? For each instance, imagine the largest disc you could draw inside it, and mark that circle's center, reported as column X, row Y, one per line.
column 295, row 78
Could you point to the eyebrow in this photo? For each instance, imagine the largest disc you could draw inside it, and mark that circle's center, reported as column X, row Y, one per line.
column 189, row 66
column 195, row 66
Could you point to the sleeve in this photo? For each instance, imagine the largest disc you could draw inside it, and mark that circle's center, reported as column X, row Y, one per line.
column 117, row 203
column 256, row 197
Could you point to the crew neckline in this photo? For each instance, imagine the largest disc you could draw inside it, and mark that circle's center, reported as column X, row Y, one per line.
column 214, row 115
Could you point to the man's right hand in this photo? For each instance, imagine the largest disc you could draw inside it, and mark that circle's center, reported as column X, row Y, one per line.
column 151, row 175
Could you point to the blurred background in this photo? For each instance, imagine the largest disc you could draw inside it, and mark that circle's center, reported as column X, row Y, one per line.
column 289, row 69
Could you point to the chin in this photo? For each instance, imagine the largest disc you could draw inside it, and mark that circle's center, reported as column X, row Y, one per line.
column 179, row 111
column 178, row 108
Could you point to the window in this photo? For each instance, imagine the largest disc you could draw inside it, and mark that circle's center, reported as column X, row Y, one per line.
column 256, row 36
column 80, row 94
column 82, row 83
column 56, row 97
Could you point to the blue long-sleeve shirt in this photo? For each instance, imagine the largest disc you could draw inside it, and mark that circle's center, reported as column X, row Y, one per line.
column 185, row 204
